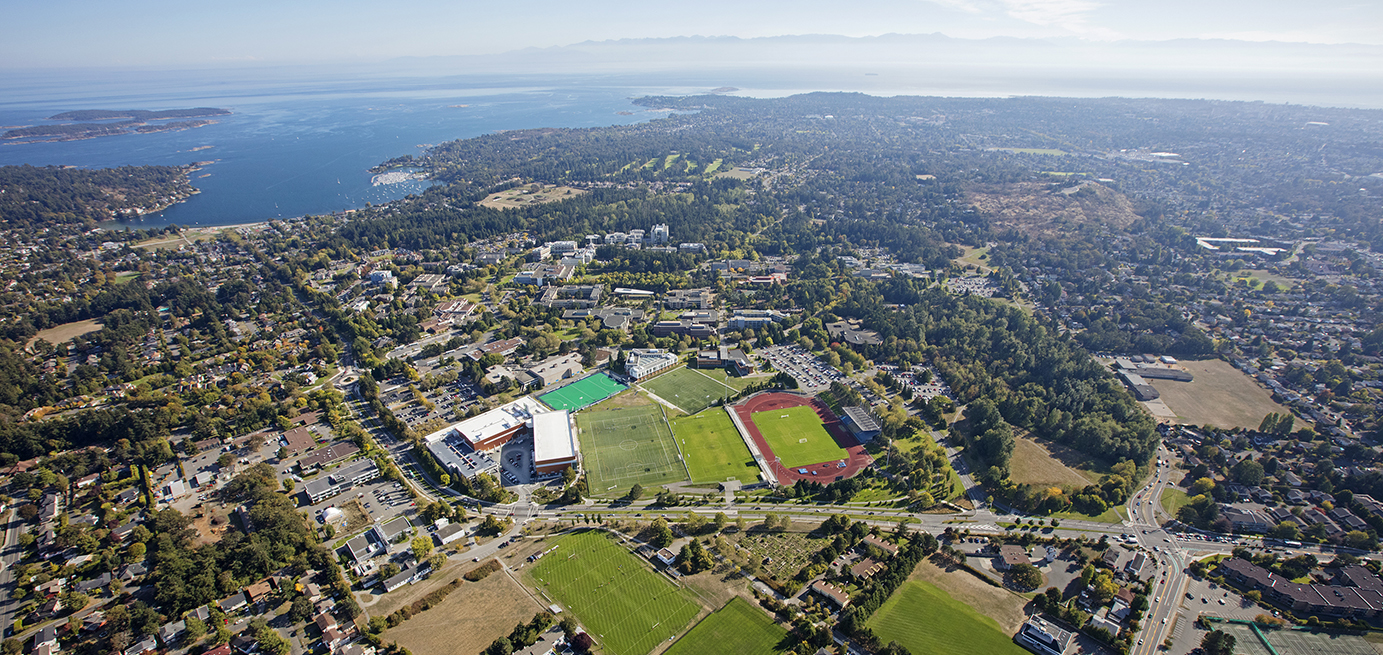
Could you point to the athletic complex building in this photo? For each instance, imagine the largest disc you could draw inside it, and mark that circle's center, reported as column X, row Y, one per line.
column 464, row 448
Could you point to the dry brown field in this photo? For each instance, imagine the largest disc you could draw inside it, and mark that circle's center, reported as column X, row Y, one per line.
column 1034, row 463
column 63, row 333
column 470, row 618
column 1219, row 395
column 531, row 194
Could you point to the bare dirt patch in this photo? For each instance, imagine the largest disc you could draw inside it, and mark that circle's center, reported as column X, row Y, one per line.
column 63, row 333
column 628, row 398
column 211, row 522
column 469, row 619
column 356, row 517
column 1038, row 208
column 1001, row 605
column 530, row 194
column 1220, row 395
column 1036, row 463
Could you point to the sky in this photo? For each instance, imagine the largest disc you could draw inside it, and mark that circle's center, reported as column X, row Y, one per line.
column 166, row 33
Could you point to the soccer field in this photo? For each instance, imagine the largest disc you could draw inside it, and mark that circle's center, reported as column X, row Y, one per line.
column 797, row 437
column 714, row 449
column 627, row 607
column 583, row 393
column 738, row 628
column 688, row 389
column 951, row 626
column 625, row 446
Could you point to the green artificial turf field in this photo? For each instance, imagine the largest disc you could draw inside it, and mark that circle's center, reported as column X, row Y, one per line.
column 738, row 628
column 799, row 439
column 950, row 626
column 687, row 388
column 715, row 452
column 624, row 605
column 583, row 393
column 625, row 446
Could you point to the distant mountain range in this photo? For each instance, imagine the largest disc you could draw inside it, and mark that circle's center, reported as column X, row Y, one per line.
column 900, row 52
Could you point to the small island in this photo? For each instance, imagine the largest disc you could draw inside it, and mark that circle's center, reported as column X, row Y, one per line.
column 117, row 121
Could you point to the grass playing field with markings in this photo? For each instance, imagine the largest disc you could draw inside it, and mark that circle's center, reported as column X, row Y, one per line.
column 625, row 446
column 714, row 450
column 797, row 437
column 738, row 628
column 626, row 607
column 688, row 389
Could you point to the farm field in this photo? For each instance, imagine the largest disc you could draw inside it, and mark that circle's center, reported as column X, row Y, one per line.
column 715, row 452
column 799, row 439
column 624, row 605
column 471, row 617
column 1220, row 395
column 738, row 628
column 627, row 446
column 951, row 626
column 582, row 393
column 688, row 389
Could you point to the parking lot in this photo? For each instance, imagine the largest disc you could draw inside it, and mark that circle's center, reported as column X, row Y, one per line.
column 382, row 498
column 811, row 373
column 1206, row 597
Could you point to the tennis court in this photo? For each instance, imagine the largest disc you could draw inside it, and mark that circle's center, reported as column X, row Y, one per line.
column 582, row 393
column 625, row 446
column 688, row 389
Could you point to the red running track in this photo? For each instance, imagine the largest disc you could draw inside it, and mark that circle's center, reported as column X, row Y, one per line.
column 826, row 472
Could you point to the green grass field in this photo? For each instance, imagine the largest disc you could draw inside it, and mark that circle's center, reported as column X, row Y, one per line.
column 583, row 393
column 714, row 450
column 627, row 607
column 687, row 388
column 738, row 628
column 950, row 626
column 625, row 446
column 799, row 439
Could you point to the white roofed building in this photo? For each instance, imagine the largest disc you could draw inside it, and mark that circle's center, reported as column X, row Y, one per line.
column 554, row 442
column 496, row 427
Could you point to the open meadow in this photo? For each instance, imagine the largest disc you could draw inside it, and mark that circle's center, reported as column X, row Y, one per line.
column 714, row 449
column 531, row 194
column 797, row 436
column 1033, row 463
column 60, row 334
column 628, row 608
column 950, row 626
column 738, row 628
column 688, row 389
column 1220, row 395
column 626, row 446
column 471, row 617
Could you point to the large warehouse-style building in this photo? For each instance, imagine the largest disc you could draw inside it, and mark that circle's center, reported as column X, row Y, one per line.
column 464, row 448
column 554, row 442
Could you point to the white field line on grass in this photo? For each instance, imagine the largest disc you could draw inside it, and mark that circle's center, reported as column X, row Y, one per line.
column 714, row 380
column 618, row 585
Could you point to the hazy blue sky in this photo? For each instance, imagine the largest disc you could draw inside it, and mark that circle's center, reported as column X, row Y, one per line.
column 62, row 33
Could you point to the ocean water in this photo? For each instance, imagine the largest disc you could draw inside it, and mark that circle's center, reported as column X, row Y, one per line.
column 291, row 149
column 301, row 140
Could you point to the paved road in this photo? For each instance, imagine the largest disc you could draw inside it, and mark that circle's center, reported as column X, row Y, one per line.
column 9, row 555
